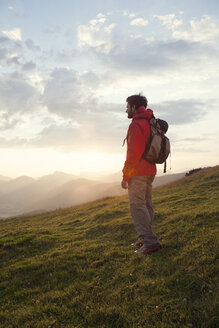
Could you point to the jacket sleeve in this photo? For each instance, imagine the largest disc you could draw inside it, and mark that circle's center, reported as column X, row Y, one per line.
column 136, row 142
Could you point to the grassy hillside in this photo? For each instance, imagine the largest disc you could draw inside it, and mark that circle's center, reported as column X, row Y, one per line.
column 75, row 267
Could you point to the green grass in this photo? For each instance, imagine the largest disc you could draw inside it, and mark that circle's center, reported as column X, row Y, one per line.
column 75, row 267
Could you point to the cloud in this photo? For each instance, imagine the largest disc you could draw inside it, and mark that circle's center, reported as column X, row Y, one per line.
column 75, row 118
column 58, row 136
column 98, row 21
column 95, row 34
column 141, row 56
column 78, row 104
column 147, row 54
column 96, row 131
column 14, row 59
column 8, row 123
column 108, row 29
column 150, row 58
column 184, row 51
column 28, row 66
column 102, row 131
column 127, row 13
column 66, row 92
column 81, row 120
column 170, row 21
column 139, row 22
column 182, row 111
column 3, row 55
column 87, row 36
column 17, row 95
column 204, row 30
column 12, row 54
column 14, row 34
column 70, row 94
column 10, row 51
column 31, row 45
column 203, row 137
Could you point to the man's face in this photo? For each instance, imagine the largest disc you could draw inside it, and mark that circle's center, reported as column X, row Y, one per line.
column 130, row 110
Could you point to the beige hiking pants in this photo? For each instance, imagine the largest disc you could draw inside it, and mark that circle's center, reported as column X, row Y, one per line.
column 141, row 207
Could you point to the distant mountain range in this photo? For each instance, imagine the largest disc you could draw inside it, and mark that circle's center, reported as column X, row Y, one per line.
column 25, row 195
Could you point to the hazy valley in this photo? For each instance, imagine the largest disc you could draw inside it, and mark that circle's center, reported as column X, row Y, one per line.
column 59, row 190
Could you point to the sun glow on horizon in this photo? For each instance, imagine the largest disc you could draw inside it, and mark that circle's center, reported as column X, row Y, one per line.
column 43, row 161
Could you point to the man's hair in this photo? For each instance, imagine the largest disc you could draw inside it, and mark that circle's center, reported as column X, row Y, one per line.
column 137, row 101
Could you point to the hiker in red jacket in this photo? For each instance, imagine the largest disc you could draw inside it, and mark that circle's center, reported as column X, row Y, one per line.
column 139, row 174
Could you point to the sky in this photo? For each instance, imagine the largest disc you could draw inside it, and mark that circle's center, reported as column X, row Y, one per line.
column 67, row 67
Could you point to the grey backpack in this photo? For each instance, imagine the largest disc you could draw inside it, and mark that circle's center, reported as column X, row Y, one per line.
column 158, row 148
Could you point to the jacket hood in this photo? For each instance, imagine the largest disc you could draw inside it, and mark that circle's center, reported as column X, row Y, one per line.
column 142, row 112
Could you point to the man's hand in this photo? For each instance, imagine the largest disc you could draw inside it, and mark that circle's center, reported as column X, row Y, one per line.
column 124, row 184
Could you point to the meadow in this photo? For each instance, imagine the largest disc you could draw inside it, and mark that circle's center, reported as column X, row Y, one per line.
column 75, row 267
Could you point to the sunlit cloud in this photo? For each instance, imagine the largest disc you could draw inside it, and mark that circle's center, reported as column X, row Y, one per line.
column 205, row 29
column 127, row 13
column 139, row 22
column 14, row 34
column 96, row 35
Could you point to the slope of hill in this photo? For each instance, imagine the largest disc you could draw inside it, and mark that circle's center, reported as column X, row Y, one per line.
column 75, row 267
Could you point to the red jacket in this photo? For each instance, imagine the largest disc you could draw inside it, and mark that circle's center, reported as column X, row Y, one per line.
column 137, row 138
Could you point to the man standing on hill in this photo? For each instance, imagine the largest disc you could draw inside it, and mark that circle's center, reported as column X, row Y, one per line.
column 139, row 174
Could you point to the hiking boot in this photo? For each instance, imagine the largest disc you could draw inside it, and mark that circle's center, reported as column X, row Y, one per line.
column 138, row 243
column 148, row 250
